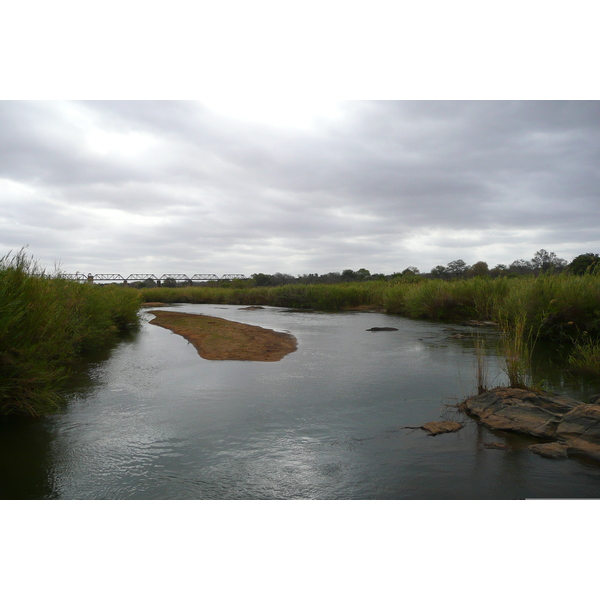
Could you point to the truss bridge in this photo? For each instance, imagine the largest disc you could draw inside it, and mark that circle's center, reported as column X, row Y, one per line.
column 142, row 277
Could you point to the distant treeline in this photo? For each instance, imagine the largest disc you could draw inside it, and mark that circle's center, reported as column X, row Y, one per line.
column 46, row 324
column 542, row 262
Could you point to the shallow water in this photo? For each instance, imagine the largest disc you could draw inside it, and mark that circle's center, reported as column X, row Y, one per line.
column 154, row 420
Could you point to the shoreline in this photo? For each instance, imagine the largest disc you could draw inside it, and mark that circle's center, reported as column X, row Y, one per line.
column 221, row 339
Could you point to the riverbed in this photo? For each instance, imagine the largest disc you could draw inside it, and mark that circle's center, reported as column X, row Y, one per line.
column 151, row 419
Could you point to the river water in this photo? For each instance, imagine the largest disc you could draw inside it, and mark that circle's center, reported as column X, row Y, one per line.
column 150, row 419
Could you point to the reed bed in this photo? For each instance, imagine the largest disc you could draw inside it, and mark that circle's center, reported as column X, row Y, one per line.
column 46, row 323
column 337, row 296
column 585, row 356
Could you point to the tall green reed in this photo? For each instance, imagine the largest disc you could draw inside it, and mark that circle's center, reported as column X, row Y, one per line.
column 45, row 324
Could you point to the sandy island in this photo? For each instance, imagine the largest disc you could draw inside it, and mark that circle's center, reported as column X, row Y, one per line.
column 219, row 339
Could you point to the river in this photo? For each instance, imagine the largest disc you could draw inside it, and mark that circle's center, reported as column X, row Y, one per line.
column 150, row 419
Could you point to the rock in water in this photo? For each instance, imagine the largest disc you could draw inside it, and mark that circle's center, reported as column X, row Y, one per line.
column 437, row 427
column 521, row 411
column 496, row 446
column 383, row 329
column 580, row 430
column 573, row 426
column 551, row 450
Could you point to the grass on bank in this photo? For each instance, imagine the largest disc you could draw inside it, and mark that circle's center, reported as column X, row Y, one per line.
column 338, row 296
column 585, row 357
column 46, row 323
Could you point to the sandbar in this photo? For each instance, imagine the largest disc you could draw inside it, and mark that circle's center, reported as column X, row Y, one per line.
column 220, row 339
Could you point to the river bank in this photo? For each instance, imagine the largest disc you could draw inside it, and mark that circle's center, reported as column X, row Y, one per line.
column 47, row 323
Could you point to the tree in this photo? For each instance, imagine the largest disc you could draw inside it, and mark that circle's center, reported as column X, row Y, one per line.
column 498, row 270
column 457, row 268
column 439, row 272
column 479, row 269
column 282, row 278
column 584, row 263
column 520, row 267
column 543, row 261
column 261, row 279
column 169, row 282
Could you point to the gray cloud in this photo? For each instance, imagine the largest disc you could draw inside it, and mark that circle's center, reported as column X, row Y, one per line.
column 175, row 186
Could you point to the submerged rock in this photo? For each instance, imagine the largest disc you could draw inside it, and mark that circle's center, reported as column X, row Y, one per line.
column 551, row 450
column 496, row 446
column 437, row 427
column 383, row 329
column 580, row 430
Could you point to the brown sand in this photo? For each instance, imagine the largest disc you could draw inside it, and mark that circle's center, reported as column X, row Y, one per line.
column 220, row 339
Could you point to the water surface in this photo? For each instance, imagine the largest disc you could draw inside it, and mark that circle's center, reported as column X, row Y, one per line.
column 154, row 420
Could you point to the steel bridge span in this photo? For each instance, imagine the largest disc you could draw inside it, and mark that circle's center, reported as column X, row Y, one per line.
column 178, row 277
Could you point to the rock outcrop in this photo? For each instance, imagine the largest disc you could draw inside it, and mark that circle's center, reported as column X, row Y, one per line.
column 580, row 430
column 571, row 427
column 522, row 411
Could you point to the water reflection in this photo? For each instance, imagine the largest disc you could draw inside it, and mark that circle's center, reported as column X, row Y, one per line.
column 26, row 460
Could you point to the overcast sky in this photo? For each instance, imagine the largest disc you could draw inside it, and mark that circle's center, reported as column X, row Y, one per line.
column 234, row 187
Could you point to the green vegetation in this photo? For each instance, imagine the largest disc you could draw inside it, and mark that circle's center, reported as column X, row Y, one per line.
column 585, row 357
column 337, row 296
column 46, row 323
column 585, row 263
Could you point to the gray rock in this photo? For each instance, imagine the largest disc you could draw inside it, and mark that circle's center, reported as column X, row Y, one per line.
column 580, row 430
column 573, row 426
column 551, row 450
column 521, row 411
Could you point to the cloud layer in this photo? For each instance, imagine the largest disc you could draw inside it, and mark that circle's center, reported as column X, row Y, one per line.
column 161, row 187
